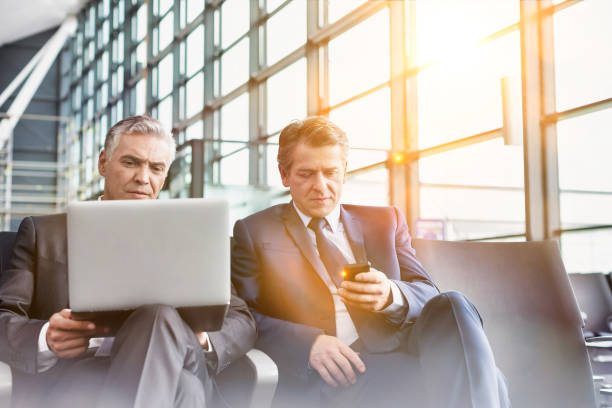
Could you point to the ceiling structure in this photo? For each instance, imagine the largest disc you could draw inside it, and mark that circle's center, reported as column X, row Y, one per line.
column 21, row 19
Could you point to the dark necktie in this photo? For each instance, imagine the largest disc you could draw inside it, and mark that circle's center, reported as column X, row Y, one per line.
column 331, row 256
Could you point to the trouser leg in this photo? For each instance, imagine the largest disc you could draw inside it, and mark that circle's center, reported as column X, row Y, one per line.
column 455, row 357
column 150, row 353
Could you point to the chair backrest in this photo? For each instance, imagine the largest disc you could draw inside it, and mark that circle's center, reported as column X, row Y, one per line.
column 594, row 298
column 7, row 240
column 530, row 315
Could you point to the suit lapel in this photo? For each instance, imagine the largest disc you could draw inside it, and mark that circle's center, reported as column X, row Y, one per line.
column 354, row 233
column 298, row 232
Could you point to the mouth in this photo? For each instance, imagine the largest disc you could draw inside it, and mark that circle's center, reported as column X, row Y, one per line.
column 139, row 194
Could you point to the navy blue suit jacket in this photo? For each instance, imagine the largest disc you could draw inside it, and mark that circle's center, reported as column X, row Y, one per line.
column 276, row 269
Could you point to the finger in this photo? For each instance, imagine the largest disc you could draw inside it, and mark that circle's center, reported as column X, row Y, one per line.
column 63, row 335
column 372, row 277
column 58, row 321
column 374, row 288
column 72, row 353
column 71, row 344
column 347, row 369
column 358, row 297
column 370, row 307
column 335, row 371
column 353, row 357
column 325, row 375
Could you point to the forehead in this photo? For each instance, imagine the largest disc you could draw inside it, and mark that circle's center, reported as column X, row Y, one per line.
column 143, row 145
column 306, row 156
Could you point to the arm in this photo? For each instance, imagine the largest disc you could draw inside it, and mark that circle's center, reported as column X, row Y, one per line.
column 287, row 343
column 18, row 332
column 400, row 301
column 415, row 284
column 236, row 337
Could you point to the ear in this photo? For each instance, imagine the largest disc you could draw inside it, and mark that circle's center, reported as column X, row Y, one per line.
column 284, row 176
column 102, row 163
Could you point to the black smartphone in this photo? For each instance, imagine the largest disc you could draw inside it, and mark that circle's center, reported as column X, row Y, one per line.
column 351, row 270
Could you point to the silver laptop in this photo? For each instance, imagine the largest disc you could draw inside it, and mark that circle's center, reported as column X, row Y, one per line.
column 127, row 253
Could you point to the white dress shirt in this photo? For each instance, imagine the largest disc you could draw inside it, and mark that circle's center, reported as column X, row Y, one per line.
column 334, row 231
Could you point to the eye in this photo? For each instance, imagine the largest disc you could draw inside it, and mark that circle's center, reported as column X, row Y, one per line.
column 305, row 173
column 129, row 162
column 158, row 169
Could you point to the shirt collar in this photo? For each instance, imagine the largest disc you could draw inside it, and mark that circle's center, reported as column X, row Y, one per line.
column 333, row 218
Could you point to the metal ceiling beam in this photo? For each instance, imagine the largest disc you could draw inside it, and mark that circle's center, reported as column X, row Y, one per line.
column 21, row 102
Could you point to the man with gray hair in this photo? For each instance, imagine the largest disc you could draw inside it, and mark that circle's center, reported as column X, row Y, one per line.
column 155, row 359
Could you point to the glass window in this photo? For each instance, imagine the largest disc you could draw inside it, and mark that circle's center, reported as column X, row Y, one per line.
column 235, row 119
column 464, row 166
column 195, row 131
column 195, row 50
column 235, row 167
column 235, row 66
column 584, row 145
column 272, row 173
column 583, row 56
column 164, row 76
column 164, row 112
column 195, row 95
column 587, row 251
column 445, row 28
column 500, row 212
column 141, row 97
column 359, row 58
column 286, row 92
column 286, row 31
column 339, row 8
column 166, row 31
column 194, row 8
column 141, row 24
column 234, row 21
column 366, row 121
column 461, row 98
column 370, row 188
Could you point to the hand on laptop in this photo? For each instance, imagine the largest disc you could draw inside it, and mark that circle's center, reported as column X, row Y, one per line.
column 69, row 338
column 370, row 291
column 334, row 361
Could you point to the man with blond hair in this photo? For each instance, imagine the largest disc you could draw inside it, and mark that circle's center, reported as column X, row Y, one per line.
column 387, row 337
column 155, row 359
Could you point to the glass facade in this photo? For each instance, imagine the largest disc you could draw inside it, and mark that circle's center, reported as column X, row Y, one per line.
column 436, row 98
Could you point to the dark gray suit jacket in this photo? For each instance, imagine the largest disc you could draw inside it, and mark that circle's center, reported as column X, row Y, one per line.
column 35, row 287
column 276, row 269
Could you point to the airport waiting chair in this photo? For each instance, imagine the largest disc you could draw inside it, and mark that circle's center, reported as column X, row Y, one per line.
column 594, row 297
column 249, row 382
column 530, row 315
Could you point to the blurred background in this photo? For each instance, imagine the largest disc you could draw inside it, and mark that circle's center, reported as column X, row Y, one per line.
column 479, row 119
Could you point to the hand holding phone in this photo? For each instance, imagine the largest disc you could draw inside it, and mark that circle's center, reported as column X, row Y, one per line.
column 351, row 270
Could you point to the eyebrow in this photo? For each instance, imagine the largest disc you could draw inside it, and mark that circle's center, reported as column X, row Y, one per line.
column 139, row 160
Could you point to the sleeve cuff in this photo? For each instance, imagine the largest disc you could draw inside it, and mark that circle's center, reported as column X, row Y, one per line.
column 45, row 358
column 396, row 311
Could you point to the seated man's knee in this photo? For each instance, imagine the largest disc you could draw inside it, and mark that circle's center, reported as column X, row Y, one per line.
column 157, row 312
column 452, row 302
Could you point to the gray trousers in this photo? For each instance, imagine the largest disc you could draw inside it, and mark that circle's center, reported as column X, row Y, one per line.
column 445, row 361
column 156, row 361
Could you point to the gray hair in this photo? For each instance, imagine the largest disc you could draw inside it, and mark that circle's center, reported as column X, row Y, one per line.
column 138, row 125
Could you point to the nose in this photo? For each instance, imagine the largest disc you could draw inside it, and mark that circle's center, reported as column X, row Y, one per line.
column 142, row 175
column 320, row 182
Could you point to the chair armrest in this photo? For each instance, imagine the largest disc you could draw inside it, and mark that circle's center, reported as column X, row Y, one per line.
column 604, row 342
column 6, row 383
column 248, row 382
column 266, row 378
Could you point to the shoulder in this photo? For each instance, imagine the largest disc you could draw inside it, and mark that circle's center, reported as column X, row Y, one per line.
column 370, row 210
column 269, row 214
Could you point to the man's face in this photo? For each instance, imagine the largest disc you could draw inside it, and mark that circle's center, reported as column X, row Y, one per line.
column 315, row 178
column 136, row 169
